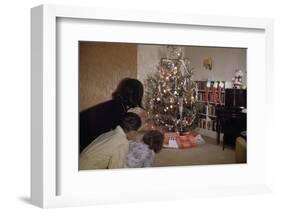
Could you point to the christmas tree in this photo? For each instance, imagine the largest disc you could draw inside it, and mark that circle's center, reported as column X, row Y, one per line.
column 171, row 94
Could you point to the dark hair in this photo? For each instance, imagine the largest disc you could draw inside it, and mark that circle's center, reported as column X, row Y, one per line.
column 130, row 122
column 130, row 92
column 154, row 139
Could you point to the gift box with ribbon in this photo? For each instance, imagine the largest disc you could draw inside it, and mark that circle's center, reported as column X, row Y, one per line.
column 183, row 140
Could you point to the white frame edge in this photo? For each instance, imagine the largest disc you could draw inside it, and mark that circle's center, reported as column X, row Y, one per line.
column 43, row 82
column 43, row 108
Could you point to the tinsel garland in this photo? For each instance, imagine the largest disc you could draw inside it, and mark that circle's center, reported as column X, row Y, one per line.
column 171, row 96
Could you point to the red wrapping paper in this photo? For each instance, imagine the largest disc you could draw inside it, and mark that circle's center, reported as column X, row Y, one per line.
column 184, row 141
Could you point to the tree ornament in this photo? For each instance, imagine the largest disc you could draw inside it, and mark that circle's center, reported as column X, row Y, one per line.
column 174, row 107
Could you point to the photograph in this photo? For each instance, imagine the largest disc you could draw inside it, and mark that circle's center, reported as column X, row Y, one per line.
column 161, row 105
column 155, row 105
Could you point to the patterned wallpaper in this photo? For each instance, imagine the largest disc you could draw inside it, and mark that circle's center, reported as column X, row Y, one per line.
column 101, row 67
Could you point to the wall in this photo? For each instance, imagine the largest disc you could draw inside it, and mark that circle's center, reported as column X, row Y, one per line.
column 225, row 61
column 148, row 58
column 101, row 67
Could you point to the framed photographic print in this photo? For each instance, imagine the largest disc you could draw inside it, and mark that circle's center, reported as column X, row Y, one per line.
column 149, row 106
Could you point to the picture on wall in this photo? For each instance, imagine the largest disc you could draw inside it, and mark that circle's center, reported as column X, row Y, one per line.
column 148, row 105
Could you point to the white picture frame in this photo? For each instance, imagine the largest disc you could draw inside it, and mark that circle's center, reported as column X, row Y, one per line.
column 45, row 170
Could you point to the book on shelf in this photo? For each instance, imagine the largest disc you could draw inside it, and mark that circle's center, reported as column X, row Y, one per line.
column 211, row 91
column 211, row 110
column 208, row 109
column 208, row 124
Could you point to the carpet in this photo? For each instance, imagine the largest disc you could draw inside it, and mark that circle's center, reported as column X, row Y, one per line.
column 204, row 154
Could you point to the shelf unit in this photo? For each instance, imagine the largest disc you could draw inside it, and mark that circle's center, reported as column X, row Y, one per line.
column 211, row 94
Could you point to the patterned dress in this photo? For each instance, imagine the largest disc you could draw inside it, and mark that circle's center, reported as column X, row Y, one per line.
column 139, row 155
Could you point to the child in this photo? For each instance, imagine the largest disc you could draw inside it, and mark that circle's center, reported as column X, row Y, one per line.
column 110, row 150
column 141, row 154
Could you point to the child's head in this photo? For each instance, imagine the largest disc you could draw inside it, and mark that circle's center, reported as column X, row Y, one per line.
column 130, row 122
column 154, row 139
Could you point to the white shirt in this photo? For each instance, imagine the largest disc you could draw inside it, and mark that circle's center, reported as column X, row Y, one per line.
column 108, row 151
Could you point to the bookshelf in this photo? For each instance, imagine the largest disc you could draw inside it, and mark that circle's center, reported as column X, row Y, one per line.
column 211, row 94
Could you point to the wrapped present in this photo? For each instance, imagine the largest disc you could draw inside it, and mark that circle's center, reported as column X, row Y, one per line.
column 182, row 141
column 169, row 135
column 193, row 133
column 171, row 140
column 186, row 141
column 197, row 137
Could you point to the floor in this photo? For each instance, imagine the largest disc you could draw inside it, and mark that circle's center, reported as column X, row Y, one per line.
column 204, row 154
